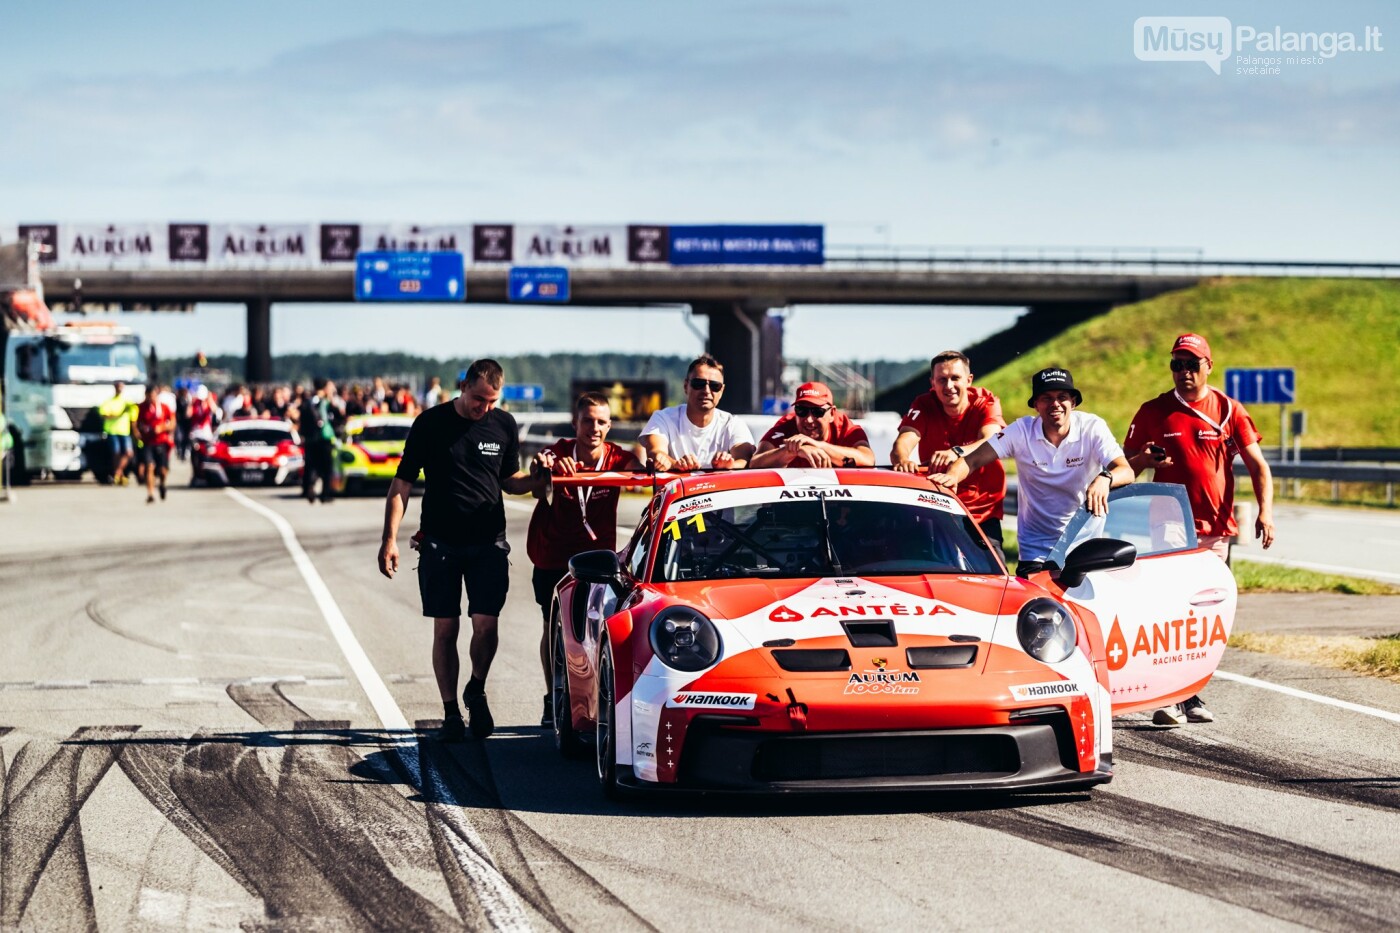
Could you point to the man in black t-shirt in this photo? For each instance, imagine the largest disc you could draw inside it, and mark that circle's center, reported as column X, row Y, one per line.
column 468, row 451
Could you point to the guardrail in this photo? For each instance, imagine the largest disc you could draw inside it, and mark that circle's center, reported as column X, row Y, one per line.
column 1099, row 260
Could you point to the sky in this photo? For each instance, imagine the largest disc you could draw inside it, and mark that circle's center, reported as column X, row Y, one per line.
column 912, row 124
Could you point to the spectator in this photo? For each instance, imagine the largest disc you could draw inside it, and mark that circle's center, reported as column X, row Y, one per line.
column 1190, row 436
column 948, row 422
column 573, row 519
column 814, row 434
column 155, row 423
column 433, row 396
column 1064, row 457
column 318, row 437
column 117, row 414
column 698, row 434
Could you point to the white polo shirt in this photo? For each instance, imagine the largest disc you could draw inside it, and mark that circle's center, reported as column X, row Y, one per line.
column 682, row 437
column 1052, row 480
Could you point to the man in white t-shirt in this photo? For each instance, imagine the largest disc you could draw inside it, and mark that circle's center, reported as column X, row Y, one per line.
column 697, row 434
column 1065, row 458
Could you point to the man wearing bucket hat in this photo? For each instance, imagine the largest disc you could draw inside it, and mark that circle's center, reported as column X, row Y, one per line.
column 1190, row 436
column 1064, row 457
column 814, row 434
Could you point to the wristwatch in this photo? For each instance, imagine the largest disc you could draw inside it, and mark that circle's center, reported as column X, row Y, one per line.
column 958, row 452
column 1108, row 474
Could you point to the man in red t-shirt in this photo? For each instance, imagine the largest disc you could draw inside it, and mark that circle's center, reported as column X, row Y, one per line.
column 155, row 426
column 574, row 519
column 1190, row 436
column 949, row 422
column 814, row 434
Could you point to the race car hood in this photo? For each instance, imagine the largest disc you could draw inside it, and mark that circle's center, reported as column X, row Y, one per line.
column 378, row 451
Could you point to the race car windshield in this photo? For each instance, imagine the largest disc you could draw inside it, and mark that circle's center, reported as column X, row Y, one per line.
column 820, row 537
column 255, row 437
column 384, row 432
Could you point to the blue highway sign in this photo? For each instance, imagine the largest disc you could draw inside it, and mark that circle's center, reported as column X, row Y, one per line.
column 1261, row 386
column 548, row 284
column 521, row 392
column 410, row 277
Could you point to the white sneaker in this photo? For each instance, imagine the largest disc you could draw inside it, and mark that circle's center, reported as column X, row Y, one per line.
column 1169, row 716
column 1196, row 711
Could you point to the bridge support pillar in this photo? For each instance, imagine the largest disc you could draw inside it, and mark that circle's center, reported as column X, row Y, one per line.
column 748, row 340
column 257, row 365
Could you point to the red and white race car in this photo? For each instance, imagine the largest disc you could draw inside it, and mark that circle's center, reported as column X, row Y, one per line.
column 790, row 630
column 250, row 452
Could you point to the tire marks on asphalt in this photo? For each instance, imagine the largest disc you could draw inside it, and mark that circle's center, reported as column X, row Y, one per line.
column 1180, row 752
column 458, row 777
column 1271, row 876
column 95, row 611
column 40, row 835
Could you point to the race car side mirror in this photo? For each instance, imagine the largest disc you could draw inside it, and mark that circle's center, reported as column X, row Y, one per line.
column 596, row 567
column 1095, row 554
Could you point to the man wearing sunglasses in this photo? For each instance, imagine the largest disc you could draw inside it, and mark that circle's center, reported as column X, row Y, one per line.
column 697, row 434
column 1190, row 436
column 814, row 434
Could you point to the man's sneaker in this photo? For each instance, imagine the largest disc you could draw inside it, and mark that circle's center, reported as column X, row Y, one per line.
column 547, row 717
column 479, row 714
column 1169, row 716
column 162, row 492
column 1196, row 711
column 453, row 730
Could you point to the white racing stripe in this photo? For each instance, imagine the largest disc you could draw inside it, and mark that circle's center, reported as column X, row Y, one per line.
column 1305, row 695
column 370, row 682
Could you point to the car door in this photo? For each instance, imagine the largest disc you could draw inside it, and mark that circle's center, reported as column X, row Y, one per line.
column 1164, row 619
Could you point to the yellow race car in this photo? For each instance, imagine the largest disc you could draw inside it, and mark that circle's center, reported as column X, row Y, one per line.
column 369, row 453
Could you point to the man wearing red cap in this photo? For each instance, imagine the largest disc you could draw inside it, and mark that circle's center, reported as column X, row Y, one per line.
column 814, row 434
column 946, row 423
column 1190, row 436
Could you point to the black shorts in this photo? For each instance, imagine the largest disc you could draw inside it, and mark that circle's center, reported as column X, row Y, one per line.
column 157, row 454
column 545, row 581
column 442, row 569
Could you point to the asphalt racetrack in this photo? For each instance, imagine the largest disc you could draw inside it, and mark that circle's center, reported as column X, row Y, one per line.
column 190, row 738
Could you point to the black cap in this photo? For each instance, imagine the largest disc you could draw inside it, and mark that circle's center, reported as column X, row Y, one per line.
column 1053, row 379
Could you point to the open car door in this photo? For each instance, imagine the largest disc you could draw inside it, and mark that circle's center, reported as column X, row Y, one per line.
column 1166, row 617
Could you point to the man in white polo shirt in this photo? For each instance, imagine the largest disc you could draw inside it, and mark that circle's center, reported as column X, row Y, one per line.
column 698, row 435
column 1064, row 457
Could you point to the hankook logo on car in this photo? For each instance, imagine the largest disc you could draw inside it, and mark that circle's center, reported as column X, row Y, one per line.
column 695, row 700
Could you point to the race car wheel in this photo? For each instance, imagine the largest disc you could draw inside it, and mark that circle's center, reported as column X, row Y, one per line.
column 566, row 740
column 606, row 745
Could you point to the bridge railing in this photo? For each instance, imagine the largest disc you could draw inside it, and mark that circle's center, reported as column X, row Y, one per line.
column 1089, row 260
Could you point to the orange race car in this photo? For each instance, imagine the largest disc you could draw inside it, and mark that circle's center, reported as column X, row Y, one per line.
column 796, row 630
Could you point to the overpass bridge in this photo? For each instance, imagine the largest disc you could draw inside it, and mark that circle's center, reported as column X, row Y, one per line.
column 736, row 299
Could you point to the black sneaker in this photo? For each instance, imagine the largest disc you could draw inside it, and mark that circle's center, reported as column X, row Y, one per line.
column 479, row 714
column 162, row 492
column 453, row 730
column 547, row 717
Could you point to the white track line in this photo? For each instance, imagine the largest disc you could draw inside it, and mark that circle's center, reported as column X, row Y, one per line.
column 1305, row 695
column 501, row 905
column 370, row 682
column 1320, row 568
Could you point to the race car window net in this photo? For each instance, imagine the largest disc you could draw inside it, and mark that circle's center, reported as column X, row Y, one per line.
column 819, row 537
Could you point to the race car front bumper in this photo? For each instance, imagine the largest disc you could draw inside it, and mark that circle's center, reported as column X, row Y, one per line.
column 1034, row 754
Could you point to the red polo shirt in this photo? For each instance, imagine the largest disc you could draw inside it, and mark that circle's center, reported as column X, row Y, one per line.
column 843, row 433
column 1201, row 453
column 984, row 490
column 556, row 527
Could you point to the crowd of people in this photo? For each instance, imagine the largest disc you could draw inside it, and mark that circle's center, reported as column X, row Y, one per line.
column 1065, row 458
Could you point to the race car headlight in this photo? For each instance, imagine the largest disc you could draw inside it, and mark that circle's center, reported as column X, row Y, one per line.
column 684, row 639
column 1046, row 630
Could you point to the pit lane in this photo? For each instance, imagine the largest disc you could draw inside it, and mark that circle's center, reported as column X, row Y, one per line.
column 185, row 746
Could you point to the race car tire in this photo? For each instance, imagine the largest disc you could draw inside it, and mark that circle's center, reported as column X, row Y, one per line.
column 353, row 487
column 605, row 747
column 566, row 738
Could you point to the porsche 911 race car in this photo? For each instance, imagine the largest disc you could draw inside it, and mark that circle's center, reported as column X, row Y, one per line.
column 791, row 630
column 250, row 452
column 370, row 451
